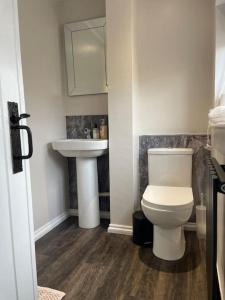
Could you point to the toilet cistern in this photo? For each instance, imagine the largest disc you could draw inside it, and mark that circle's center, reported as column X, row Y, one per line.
column 86, row 152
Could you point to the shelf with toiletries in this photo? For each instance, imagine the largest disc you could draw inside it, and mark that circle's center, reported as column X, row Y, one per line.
column 101, row 131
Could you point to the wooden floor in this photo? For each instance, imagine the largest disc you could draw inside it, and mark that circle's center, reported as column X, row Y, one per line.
column 95, row 265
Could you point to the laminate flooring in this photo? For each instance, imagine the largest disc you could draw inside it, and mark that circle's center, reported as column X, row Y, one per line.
column 95, row 265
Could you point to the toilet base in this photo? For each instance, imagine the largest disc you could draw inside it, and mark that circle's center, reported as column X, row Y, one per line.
column 168, row 244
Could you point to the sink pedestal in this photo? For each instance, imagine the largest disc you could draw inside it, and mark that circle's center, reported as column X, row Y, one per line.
column 86, row 152
column 87, row 189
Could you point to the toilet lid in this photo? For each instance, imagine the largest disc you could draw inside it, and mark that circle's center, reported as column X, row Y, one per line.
column 168, row 196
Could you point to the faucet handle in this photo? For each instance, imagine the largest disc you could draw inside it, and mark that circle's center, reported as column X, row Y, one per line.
column 87, row 131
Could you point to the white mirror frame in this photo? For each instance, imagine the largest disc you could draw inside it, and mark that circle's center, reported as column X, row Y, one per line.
column 71, row 76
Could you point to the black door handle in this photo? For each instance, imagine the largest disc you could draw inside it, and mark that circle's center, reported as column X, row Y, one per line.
column 30, row 141
column 15, row 119
column 15, row 129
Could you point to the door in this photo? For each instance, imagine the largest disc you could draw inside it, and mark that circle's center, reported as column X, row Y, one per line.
column 17, row 256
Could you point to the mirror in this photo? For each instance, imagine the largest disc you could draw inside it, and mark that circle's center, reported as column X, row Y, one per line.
column 85, row 48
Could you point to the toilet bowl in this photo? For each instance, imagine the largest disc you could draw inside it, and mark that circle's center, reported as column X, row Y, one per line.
column 168, row 199
column 168, row 208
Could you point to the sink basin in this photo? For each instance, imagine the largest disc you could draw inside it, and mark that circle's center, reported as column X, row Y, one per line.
column 81, row 147
column 86, row 152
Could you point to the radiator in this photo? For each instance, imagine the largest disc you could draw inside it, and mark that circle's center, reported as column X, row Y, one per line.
column 216, row 184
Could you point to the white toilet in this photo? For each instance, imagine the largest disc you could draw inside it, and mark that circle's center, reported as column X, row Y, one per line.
column 168, row 199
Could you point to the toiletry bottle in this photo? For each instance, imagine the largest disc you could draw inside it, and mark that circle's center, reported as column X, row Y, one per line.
column 95, row 132
column 103, row 130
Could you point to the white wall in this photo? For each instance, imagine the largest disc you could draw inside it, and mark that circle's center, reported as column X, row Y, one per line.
column 160, row 82
column 161, row 72
column 219, row 2
column 40, row 45
column 173, row 65
column 120, row 106
column 43, row 59
column 74, row 11
column 220, row 52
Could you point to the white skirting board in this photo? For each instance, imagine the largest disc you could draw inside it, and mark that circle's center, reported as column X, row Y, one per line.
column 113, row 228
column 43, row 230
column 120, row 229
column 128, row 230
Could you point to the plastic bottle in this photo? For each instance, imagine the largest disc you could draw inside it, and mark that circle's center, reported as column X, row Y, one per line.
column 95, row 132
column 103, row 130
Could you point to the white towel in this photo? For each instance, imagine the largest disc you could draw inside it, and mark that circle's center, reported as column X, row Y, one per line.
column 217, row 116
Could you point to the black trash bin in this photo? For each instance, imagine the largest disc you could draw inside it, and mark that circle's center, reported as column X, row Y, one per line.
column 142, row 229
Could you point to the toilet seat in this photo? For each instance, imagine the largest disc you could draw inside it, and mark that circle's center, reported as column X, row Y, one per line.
column 168, row 197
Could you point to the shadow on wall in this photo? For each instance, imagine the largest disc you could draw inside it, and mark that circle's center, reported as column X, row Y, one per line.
column 199, row 166
column 59, row 163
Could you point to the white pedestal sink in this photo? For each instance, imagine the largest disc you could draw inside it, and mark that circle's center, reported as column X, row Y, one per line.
column 86, row 152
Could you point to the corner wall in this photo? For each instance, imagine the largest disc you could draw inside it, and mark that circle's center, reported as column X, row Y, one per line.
column 43, row 61
column 121, row 118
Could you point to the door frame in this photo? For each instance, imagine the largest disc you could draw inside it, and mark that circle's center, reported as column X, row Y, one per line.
column 6, row 169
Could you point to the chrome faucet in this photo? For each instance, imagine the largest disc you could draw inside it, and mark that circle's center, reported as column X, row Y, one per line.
column 87, row 133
